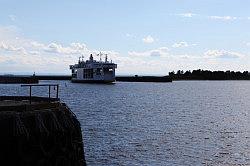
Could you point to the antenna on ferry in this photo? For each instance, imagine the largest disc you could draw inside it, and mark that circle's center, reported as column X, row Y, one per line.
column 100, row 54
column 106, row 57
column 79, row 59
column 91, row 57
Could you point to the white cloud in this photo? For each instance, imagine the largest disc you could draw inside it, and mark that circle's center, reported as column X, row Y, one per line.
column 213, row 17
column 12, row 17
column 180, row 44
column 186, row 56
column 58, row 48
column 186, row 15
column 222, row 54
column 73, row 48
column 37, row 44
column 34, row 52
column 20, row 54
column 160, row 52
column 8, row 32
column 78, row 46
column 224, row 18
column 248, row 44
column 128, row 35
column 7, row 47
column 148, row 39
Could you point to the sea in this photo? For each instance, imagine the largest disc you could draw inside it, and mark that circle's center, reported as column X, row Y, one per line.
column 158, row 124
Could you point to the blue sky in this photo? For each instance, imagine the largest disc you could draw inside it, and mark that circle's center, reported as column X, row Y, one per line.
column 141, row 36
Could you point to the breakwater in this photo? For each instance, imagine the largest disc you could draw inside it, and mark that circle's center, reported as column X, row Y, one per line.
column 35, row 79
column 18, row 79
column 41, row 132
column 53, row 77
column 144, row 79
column 118, row 78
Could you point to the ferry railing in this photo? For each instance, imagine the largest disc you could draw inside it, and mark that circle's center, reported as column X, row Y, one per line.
column 42, row 85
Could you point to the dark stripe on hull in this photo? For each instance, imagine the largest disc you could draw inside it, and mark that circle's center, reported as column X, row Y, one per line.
column 93, row 81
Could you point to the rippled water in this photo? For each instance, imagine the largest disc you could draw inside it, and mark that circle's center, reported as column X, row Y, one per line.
column 179, row 123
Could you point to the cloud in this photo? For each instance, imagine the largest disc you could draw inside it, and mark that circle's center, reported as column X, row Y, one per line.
column 128, row 35
column 34, row 52
column 180, row 44
column 12, row 17
column 211, row 17
column 58, row 48
column 223, row 54
column 36, row 44
column 30, row 55
column 248, row 44
column 73, row 48
column 156, row 53
column 186, row 15
column 148, row 39
column 78, row 46
column 224, row 18
column 8, row 32
column 7, row 47
column 186, row 56
column 160, row 52
column 19, row 53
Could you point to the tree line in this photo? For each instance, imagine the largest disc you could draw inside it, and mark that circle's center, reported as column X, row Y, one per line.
column 209, row 75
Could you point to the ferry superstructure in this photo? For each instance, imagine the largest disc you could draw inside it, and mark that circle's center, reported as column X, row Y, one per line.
column 93, row 71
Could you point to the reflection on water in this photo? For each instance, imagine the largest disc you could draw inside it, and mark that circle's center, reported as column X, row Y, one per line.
column 179, row 123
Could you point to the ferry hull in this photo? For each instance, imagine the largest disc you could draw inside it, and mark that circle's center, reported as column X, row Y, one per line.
column 93, row 81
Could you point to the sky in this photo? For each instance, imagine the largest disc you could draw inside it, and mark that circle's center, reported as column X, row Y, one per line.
column 145, row 37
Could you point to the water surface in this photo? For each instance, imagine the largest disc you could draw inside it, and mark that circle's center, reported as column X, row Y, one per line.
column 179, row 123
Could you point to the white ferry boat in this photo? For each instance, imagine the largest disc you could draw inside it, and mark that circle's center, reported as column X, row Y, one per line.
column 93, row 71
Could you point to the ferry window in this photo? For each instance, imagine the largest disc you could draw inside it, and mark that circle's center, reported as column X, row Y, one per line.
column 91, row 73
column 84, row 73
column 98, row 71
column 88, row 73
